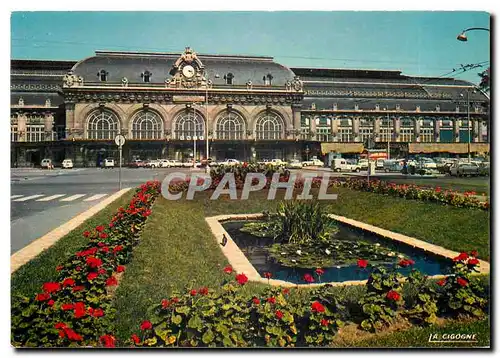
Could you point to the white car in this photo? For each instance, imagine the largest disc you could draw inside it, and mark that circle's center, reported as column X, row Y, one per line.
column 67, row 164
column 176, row 163
column 315, row 162
column 188, row 164
column 428, row 163
column 46, row 163
column 294, row 164
column 341, row 165
column 108, row 163
column 165, row 163
column 155, row 163
column 230, row 162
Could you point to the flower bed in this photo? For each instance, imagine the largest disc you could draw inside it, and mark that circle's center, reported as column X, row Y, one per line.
column 75, row 309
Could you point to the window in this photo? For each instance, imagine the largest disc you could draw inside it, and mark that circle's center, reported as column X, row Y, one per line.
column 60, row 132
column 147, row 125
column 35, row 132
column 427, row 134
column 189, row 123
column 229, row 78
column 146, row 76
column 103, row 75
column 102, row 125
column 269, row 126
column 406, row 134
column 324, row 134
column 268, row 79
column 345, row 134
column 230, row 126
column 365, row 129
column 13, row 133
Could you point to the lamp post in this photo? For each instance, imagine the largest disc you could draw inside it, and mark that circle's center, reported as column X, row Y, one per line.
column 388, row 136
column 468, row 120
column 462, row 37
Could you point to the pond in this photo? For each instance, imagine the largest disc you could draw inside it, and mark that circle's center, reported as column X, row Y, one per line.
column 256, row 251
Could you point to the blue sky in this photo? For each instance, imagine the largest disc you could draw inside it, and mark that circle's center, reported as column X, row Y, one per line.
column 418, row 43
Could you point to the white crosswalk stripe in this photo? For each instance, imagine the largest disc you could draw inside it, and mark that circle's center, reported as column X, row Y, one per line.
column 95, row 197
column 29, row 197
column 52, row 197
column 73, row 197
column 15, row 196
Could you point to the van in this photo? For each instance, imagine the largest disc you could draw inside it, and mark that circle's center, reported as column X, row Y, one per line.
column 46, row 163
column 341, row 165
column 67, row 164
column 108, row 163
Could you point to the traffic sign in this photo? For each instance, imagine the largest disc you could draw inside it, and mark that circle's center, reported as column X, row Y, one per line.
column 120, row 140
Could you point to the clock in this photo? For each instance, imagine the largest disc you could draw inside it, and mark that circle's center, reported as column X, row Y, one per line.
column 188, row 71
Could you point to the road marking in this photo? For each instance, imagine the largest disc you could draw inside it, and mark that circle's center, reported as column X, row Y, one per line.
column 95, row 197
column 29, row 197
column 51, row 197
column 15, row 196
column 73, row 197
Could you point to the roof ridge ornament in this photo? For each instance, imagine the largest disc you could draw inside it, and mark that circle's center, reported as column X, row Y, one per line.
column 70, row 80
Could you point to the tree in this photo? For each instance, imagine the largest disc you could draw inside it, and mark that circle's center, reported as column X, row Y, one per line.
column 485, row 80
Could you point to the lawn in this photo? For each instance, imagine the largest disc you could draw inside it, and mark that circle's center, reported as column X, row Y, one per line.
column 178, row 251
column 28, row 279
column 478, row 184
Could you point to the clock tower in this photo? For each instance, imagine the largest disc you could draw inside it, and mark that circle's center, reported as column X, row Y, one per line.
column 187, row 72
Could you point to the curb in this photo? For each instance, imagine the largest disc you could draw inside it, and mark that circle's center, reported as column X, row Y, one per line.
column 33, row 249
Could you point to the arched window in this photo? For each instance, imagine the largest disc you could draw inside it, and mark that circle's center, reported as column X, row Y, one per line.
column 230, row 125
column 103, row 75
column 147, row 125
column 269, row 126
column 189, row 123
column 268, row 79
column 146, row 76
column 102, row 125
column 229, row 78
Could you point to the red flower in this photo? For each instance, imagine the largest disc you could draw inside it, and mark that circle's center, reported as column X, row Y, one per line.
column 473, row 253
column 86, row 233
column 103, row 235
column 317, row 307
column 441, row 282
column 165, row 303
column 68, row 282
column 279, row 314
column 203, row 291
column 463, row 256
column 94, row 262
column 79, row 309
column 406, row 262
column 320, row 271
column 97, row 312
column 192, row 292
column 111, row 224
column 267, row 275
column 462, row 282
column 92, row 275
column 49, row 287
column 271, row 300
column 101, row 244
column 228, row 269
column 78, row 268
column 59, row 268
column 241, row 278
column 146, row 213
column 362, row 263
column 108, row 341
column 286, row 291
column 78, row 288
column 72, row 335
column 51, row 303
column 175, row 299
column 101, row 271
column 43, row 297
column 473, row 262
column 135, row 338
column 60, row 325
column 308, row 278
column 256, row 300
column 393, row 295
column 111, row 281
column 146, row 325
column 117, row 248
column 100, row 228
column 120, row 268
column 67, row 306
column 324, row 322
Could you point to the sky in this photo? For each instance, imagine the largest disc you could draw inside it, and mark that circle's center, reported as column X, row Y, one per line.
column 416, row 43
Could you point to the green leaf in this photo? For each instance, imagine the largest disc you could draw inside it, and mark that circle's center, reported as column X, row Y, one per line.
column 208, row 337
column 177, row 319
column 195, row 322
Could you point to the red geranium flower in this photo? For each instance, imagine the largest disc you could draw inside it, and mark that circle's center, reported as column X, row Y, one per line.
column 267, row 275
column 203, row 291
column 135, row 338
column 68, row 282
column 462, row 282
column 393, row 295
column 241, row 278
column 86, row 233
column 60, row 325
column 79, row 309
column 362, row 263
column 117, row 248
column 103, row 235
column 279, row 314
column 473, row 253
column 111, row 281
column 146, row 213
column 192, row 292
column 463, row 256
column 146, row 325
column 111, row 224
column 256, row 300
column 271, row 300
column 92, row 275
column 72, row 335
column 320, row 271
column 101, row 271
column 175, row 299
column 120, row 268
column 441, row 282
column 100, row 228
column 78, row 288
column 473, row 262
column 165, row 303
column 50, row 287
column 406, row 262
column 59, row 268
column 67, row 306
column 286, row 291
column 317, row 307
column 51, row 303
column 228, row 269
column 94, row 262
column 108, row 341
column 78, row 268
column 324, row 322
column 101, row 244
column 308, row 278
column 43, row 297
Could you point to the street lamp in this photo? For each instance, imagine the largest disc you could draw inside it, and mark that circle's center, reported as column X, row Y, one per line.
column 462, row 37
column 468, row 118
column 388, row 136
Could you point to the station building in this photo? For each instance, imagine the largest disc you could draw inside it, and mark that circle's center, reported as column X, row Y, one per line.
column 245, row 107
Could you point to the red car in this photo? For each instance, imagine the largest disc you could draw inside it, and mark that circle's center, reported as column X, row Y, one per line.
column 137, row 163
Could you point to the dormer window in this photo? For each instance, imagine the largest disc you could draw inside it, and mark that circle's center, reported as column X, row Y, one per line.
column 438, row 108
column 356, row 107
column 268, row 79
column 377, row 107
column 229, row 78
column 146, row 76
column 398, row 107
column 103, row 75
column 457, row 109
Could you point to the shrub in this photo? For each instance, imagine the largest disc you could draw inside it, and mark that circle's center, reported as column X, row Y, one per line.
column 423, row 309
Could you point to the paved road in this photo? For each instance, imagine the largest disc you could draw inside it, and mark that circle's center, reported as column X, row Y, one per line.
column 42, row 200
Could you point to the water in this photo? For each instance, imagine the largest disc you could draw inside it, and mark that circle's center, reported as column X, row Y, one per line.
column 254, row 249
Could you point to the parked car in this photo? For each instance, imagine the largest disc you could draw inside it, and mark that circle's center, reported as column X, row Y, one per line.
column 46, row 164
column 67, row 164
column 188, row 164
column 136, row 163
column 294, row 164
column 165, row 163
column 341, row 165
column 391, row 165
column 427, row 163
column 155, row 163
column 315, row 162
column 108, row 163
column 176, row 163
column 379, row 163
column 229, row 162
column 461, row 169
column 363, row 164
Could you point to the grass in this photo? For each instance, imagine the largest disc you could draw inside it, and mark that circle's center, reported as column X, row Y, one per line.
column 478, row 184
column 178, row 251
column 28, row 279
